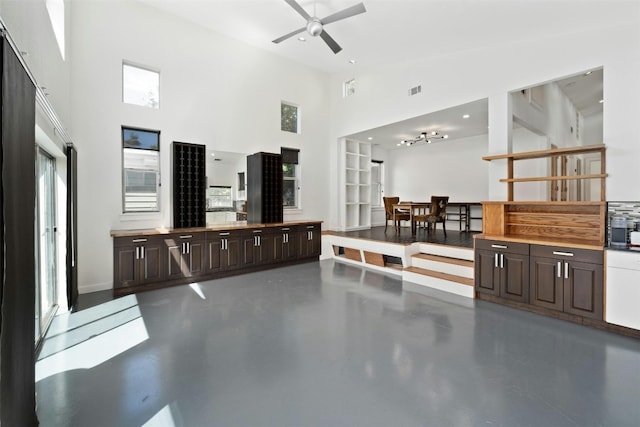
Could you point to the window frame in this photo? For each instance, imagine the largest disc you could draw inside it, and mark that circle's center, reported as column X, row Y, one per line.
column 298, row 117
column 296, row 184
column 349, row 88
column 376, row 202
column 123, row 129
column 126, row 63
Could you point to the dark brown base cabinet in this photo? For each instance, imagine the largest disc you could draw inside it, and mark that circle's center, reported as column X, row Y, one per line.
column 137, row 260
column 554, row 279
column 144, row 262
column 502, row 269
column 184, row 255
column 222, row 251
column 568, row 280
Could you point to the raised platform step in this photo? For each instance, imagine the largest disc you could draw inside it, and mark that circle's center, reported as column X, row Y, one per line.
column 416, row 279
column 443, row 264
column 445, row 259
column 439, row 275
column 446, row 251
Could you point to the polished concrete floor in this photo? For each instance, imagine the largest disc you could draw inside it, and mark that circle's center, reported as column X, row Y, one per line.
column 328, row 344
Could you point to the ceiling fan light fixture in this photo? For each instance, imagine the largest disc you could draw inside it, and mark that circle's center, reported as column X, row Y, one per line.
column 314, row 27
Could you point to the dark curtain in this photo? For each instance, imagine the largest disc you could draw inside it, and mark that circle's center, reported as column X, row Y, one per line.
column 72, row 226
column 17, row 237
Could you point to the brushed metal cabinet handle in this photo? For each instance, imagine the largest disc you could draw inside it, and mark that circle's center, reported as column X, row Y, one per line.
column 186, row 236
column 138, row 240
column 563, row 253
column 499, row 246
column 496, row 260
column 501, row 260
column 566, row 270
column 559, row 269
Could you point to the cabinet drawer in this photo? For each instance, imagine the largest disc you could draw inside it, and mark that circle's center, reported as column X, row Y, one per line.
column 570, row 254
column 502, row 246
column 136, row 241
column 186, row 236
column 223, row 234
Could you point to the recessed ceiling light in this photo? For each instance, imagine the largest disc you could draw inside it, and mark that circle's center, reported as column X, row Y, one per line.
column 399, row 144
column 466, row 116
column 213, row 154
column 402, row 142
column 601, row 101
column 302, row 39
column 588, row 72
column 446, row 136
column 370, row 138
column 352, row 61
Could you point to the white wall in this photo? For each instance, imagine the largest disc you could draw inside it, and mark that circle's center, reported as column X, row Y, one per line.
column 451, row 168
column 213, row 90
column 492, row 73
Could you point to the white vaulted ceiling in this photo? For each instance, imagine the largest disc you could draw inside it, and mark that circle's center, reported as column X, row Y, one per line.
column 397, row 30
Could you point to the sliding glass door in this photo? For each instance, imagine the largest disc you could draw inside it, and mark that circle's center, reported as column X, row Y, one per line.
column 45, row 243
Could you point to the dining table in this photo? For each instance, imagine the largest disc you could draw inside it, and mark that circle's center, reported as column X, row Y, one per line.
column 412, row 208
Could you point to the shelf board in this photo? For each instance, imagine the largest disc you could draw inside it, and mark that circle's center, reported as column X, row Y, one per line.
column 547, row 153
column 555, row 178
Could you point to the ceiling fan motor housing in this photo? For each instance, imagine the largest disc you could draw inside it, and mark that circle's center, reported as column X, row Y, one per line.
column 314, row 27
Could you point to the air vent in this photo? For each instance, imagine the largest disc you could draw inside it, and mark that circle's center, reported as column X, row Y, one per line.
column 415, row 90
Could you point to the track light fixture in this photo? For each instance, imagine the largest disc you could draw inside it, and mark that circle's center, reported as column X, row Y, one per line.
column 424, row 136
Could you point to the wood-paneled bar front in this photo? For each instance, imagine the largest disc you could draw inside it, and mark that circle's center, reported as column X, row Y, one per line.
column 156, row 258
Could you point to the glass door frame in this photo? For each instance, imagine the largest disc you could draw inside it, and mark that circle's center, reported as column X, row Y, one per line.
column 46, row 205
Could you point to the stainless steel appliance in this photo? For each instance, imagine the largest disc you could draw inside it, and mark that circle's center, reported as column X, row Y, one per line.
column 618, row 236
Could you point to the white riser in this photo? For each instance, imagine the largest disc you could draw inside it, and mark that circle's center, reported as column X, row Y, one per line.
column 443, row 267
column 435, row 283
column 448, row 251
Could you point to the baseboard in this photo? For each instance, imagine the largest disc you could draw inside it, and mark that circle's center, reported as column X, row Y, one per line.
column 87, row 289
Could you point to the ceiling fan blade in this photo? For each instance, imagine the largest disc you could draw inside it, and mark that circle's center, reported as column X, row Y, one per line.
column 345, row 13
column 298, row 9
column 291, row 34
column 335, row 47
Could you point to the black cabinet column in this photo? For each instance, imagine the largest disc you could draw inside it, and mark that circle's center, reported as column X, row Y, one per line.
column 264, row 192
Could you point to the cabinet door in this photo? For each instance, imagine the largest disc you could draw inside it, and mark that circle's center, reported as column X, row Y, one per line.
column 546, row 283
column 151, row 263
column 232, row 257
column 280, row 246
column 194, row 258
column 175, row 251
column 249, row 252
column 264, row 250
column 214, row 254
column 125, row 267
column 514, row 280
column 583, row 289
column 309, row 241
column 487, row 272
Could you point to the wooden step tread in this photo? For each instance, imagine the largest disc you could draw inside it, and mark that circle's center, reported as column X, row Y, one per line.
column 445, row 259
column 438, row 275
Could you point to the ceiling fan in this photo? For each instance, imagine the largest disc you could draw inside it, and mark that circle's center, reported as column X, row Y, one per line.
column 315, row 26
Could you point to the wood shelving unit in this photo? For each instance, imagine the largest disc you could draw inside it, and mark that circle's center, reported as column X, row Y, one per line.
column 579, row 224
column 555, row 152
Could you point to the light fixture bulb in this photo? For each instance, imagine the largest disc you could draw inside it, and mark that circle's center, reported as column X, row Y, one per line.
column 433, row 132
column 446, row 136
column 466, row 116
column 428, row 141
column 403, row 142
column 314, row 27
